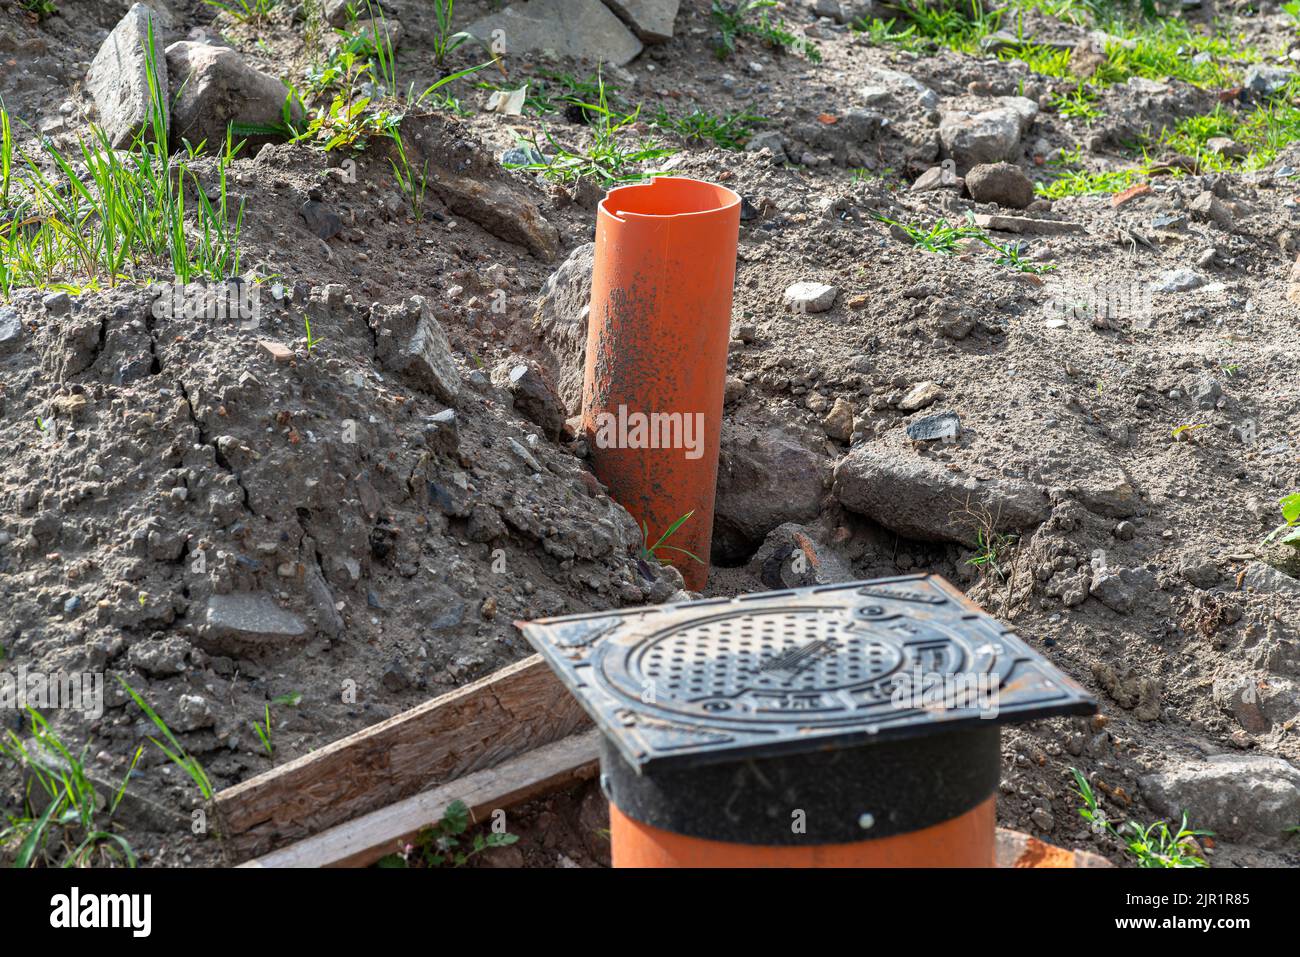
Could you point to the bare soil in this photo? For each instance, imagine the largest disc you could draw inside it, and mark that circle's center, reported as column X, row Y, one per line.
column 320, row 480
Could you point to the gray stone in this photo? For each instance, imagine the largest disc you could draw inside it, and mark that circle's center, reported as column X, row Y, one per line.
column 952, row 318
column 582, row 29
column 232, row 622
column 495, row 204
column 118, row 79
column 1119, row 589
column 411, row 342
column 1202, row 574
column 1240, row 797
column 1001, row 183
column 193, row 712
column 919, row 396
column 650, row 20
column 561, row 320
column 159, row 659
column 484, row 524
column 522, row 156
column 11, row 329
column 216, row 87
column 1074, row 590
column 321, row 220
column 533, row 394
column 922, row 499
column 396, row 679
column 809, row 297
column 1267, row 579
column 1267, row 80
column 770, row 140
column 896, row 80
column 1205, row 392
column 940, row 427
column 765, row 479
column 989, row 135
column 57, row 303
column 524, row 455
column 1209, row 208
column 838, row 422
column 936, row 177
column 1178, row 280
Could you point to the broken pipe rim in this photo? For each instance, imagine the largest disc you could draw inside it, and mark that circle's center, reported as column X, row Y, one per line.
column 657, row 341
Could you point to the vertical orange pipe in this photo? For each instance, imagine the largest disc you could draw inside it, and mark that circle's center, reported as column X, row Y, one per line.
column 963, row 841
column 661, row 288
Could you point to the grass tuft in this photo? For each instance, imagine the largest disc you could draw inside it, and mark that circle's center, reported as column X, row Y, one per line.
column 64, row 820
column 607, row 160
column 99, row 216
column 1154, row 845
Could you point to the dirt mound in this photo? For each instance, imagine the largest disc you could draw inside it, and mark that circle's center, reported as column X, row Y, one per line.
column 327, row 479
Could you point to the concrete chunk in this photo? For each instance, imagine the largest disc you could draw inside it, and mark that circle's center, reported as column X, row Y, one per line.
column 582, row 29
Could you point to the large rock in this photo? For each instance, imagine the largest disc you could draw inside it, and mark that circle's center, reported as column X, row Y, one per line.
column 563, row 308
column 118, row 79
column 214, row 88
column 582, row 29
column 921, row 499
column 498, row 207
column 412, row 343
column 972, row 136
column 650, row 20
column 765, row 479
column 1240, row 797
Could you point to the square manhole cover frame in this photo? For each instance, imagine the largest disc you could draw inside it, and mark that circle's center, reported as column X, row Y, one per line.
column 785, row 672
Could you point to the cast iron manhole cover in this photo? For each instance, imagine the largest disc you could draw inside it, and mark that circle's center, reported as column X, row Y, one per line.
column 790, row 671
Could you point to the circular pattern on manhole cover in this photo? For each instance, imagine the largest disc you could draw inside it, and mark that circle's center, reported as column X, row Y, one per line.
column 819, row 663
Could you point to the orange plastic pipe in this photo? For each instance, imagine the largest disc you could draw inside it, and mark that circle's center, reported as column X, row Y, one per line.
column 665, row 263
column 963, row 841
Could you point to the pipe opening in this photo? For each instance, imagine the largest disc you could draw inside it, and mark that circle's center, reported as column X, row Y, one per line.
column 668, row 196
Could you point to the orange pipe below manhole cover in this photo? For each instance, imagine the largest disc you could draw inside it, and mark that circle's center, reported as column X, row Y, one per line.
column 826, row 726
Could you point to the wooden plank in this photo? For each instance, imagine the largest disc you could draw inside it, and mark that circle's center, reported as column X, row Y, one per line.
column 511, row 712
column 363, row 841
